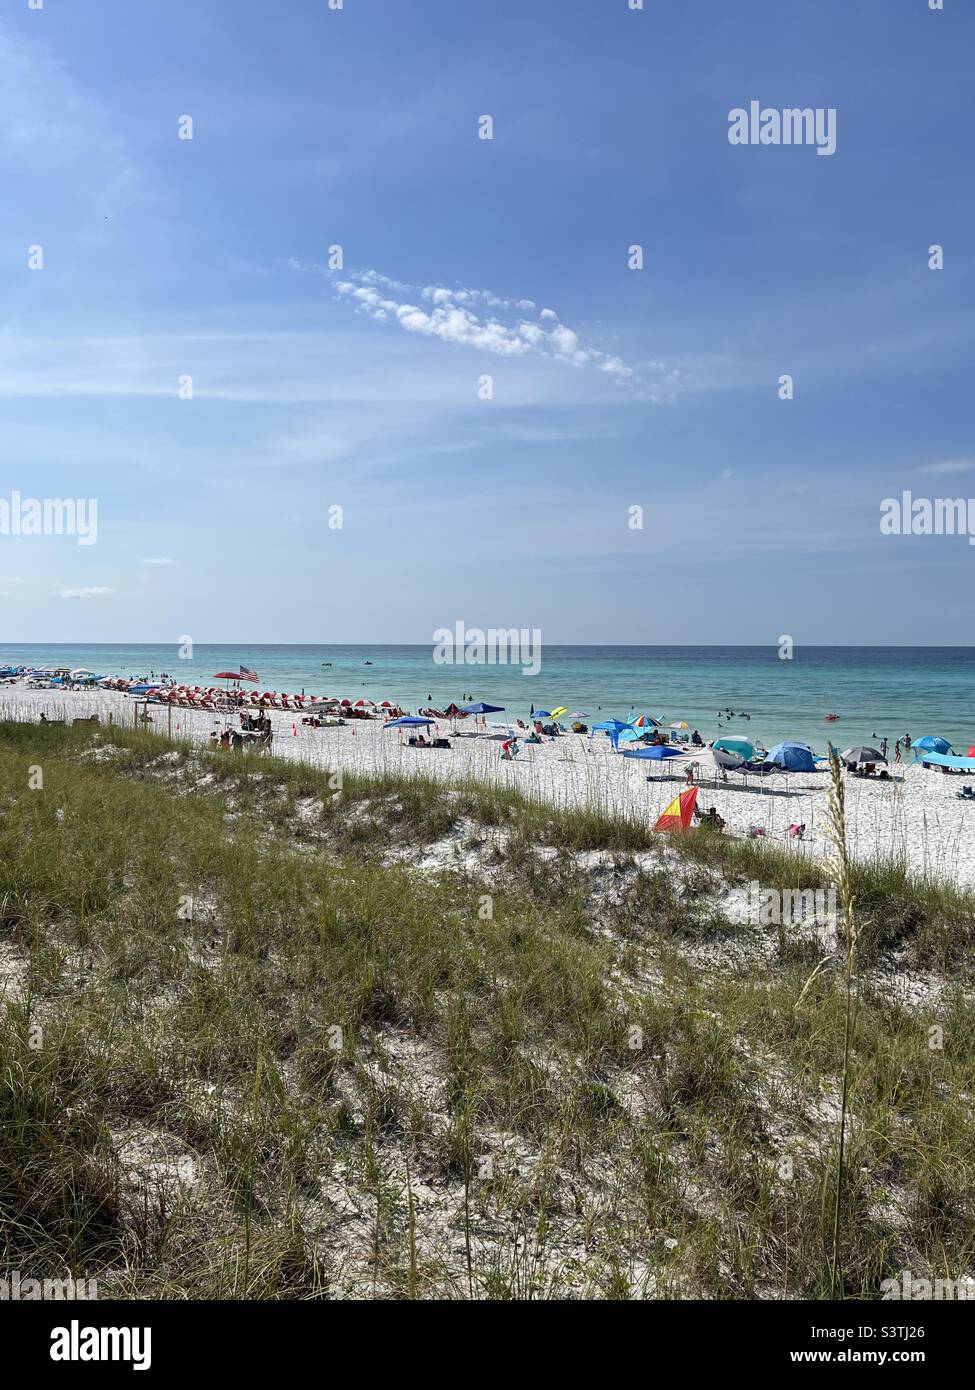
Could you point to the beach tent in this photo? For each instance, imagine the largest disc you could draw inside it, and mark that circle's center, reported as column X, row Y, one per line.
column 657, row 753
column 613, row 728
column 679, row 813
column 930, row 743
column 482, row 708
column 943, row 760
column 732, row 754
column 407, row 721
column 741, row 746
column 792, row 757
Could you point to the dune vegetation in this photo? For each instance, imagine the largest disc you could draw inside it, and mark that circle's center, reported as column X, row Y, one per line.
column 273, row 1033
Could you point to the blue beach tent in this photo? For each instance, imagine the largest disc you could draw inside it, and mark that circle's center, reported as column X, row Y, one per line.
column 657, row 753
column 407, row 721
column 792, row 757
column 943, row 760
column 482, row 708
column 612, row 728
column 742, row 746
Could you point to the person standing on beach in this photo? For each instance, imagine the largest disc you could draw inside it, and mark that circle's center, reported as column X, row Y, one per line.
column 883, row 747
column 897, row 751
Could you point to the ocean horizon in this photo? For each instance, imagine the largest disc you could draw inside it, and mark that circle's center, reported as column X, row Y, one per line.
column 877, row 691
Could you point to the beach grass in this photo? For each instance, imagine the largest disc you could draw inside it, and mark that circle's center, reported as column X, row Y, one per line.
column 267, row 1036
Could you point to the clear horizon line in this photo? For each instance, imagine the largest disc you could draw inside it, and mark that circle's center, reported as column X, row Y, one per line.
column 604, row 646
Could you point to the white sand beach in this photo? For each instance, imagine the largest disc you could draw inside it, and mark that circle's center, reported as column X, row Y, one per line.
column 915, row 817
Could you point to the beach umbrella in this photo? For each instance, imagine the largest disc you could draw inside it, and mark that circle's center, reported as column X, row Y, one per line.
column 407, row 721
column 612, row 725
column 680, row 725
column 863, row 755
column 793, row 757
column 655, row 754
column 558, row 713
column 971, row 752
column 930, row 743
column 580, row 714
column 542, row 714
column 482, row 708
column 226, row 676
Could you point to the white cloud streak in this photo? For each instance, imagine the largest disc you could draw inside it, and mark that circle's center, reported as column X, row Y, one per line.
column 467, row 317
column 949, row 466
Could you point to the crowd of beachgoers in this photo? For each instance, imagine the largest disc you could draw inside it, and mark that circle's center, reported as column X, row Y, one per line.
column 898, row 807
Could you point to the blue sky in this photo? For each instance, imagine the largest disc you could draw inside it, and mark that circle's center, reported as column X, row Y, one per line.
column 208, row 257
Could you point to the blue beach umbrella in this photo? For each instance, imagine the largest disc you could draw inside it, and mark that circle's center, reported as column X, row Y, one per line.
column 930, row 743
column 542, row 714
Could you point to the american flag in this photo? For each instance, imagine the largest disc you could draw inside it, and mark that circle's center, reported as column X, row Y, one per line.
column 246, row 674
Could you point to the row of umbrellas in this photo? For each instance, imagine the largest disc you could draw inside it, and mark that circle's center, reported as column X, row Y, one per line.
column 413, row 721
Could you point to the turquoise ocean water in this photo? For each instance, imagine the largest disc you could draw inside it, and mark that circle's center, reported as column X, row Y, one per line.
column 876, row 690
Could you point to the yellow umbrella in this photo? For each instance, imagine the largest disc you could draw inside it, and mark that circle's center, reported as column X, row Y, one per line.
column 562, row 709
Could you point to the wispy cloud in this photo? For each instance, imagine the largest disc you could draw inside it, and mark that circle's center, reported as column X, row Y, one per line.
column 93, row 591
column 162, row 560
column 469, row 317
column 949, row 466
